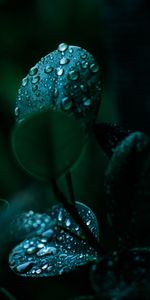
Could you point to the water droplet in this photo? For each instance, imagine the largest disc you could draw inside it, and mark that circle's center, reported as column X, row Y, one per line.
column 66, row 103
column 56, row 93
column 34, row 88
column 68, row 222
column 62, row 47
column 33, row 71
column 35, row 79
column 49, row 268
column 22, row 268
column 48, row 233
column 17, row 111
column 48, row 69
column 94, row 68
column 83, row 55
column 83, row 88
column 44, row 240
column 86, row 101
column 59, row 71
column 40, row 246
column 77, row 228
column 47, row 250
column 24, row 81
column 26, row 245
column 45, row 267
column 38, row 271
column 88, row 222
column 81, row 256
column 59, row 238
column 84, row 64
column 31, row 250
column 64, row 61
column 73, row 75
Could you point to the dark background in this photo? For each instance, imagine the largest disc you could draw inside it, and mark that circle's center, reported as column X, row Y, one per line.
column 117, row 33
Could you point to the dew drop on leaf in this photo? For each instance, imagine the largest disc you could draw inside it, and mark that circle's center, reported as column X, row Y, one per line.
column 64, row 251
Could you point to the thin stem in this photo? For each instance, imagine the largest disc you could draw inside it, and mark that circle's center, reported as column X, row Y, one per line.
column 70, row 187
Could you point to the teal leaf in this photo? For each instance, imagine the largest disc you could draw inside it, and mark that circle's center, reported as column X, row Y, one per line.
column 58, row 249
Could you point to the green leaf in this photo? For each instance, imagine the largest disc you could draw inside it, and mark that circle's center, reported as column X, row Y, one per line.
column 127, row 183
column 55, row 250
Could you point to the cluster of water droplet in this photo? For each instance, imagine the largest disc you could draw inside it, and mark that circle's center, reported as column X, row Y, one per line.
column 57, row 249
column 29, row 223
column 68, row 79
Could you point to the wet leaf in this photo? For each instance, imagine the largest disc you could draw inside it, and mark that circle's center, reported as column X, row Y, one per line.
column 57, row 249
column 123, row 184
column 57, row 104
column 28, row 224
column 122, row 275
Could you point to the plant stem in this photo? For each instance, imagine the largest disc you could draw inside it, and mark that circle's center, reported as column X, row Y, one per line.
column 71, row 208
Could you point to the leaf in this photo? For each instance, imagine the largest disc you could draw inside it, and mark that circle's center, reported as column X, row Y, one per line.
column 28, row 224
column 122, row 275
column 56, row 106
column 58, row 249
column 123, row 184
column 109, row 136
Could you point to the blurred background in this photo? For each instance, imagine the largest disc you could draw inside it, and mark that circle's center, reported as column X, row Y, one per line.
column 117, row 33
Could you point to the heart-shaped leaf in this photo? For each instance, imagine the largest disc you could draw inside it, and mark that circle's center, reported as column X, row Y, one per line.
column 58, row 249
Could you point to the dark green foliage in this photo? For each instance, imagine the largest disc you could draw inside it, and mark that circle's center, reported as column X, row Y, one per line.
column 47, row 141
column 109, row 136
column 53, row 244
column 123, row 275
column 124, row 186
